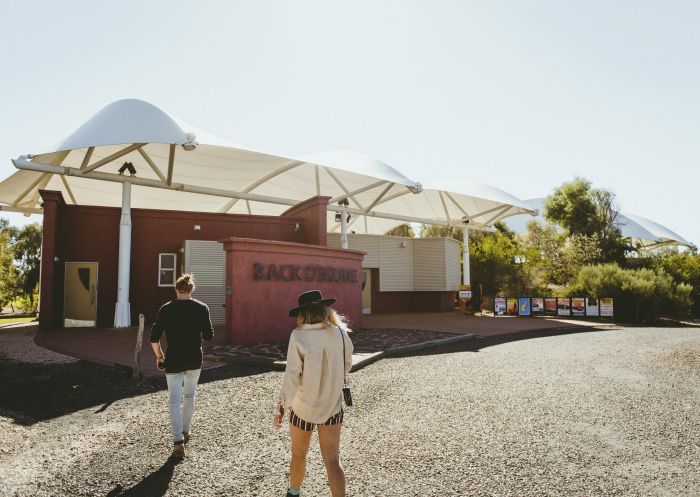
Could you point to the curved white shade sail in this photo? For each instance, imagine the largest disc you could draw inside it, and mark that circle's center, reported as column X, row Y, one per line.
column 179, row 167
column 641, row 231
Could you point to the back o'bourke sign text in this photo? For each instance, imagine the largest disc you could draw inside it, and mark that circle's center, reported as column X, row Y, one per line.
column 306, row 272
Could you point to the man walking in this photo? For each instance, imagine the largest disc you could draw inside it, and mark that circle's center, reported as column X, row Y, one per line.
column 185, row 322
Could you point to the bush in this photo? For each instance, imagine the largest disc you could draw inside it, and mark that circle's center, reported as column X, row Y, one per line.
column 640, row 294
column 684, row 268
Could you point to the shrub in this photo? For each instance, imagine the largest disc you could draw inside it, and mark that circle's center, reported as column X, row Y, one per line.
column 684, row 268
column 640, row 294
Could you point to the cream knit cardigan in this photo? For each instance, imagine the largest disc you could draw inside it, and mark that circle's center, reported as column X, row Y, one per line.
column 313, row 380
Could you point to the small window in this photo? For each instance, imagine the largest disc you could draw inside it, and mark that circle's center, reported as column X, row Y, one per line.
column 166, row 269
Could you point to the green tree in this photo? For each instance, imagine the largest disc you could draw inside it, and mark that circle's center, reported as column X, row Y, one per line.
column 438, row 231
column 493, row 257
column 571, row 207
column 542, row 246
column 583, row 210
column 552, row 259
column 405, row 230
column 8, row 272
column 27, row 255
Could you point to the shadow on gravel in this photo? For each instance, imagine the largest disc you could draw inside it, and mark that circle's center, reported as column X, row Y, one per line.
column 37, row 392
column 154, row 485
column 479, row 342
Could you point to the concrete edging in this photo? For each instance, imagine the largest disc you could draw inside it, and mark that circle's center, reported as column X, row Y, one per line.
column 403, row 349
column 366, row 361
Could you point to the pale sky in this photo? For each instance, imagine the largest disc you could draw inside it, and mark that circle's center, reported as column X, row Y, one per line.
column 519, row 94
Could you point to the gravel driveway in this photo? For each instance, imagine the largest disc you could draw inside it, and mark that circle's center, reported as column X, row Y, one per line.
column 612, row 412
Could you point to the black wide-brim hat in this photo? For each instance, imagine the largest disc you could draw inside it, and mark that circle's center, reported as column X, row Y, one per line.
column 308, row 298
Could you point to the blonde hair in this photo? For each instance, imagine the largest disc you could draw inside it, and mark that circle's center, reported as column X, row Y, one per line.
column 320, row 313
column 185, row 283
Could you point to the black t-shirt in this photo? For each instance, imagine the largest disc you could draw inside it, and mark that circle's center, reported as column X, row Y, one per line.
column 185, row 322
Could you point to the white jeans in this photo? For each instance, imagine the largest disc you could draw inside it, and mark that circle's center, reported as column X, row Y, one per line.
column 181, row 396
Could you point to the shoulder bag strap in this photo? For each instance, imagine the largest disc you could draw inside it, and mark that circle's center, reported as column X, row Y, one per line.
column 342, row 338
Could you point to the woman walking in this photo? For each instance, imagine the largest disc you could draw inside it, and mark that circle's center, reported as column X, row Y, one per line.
column 318, row 359
column 185, row 322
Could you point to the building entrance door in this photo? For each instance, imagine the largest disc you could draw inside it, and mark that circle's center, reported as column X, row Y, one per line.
column 80, row 294
column 366, row 291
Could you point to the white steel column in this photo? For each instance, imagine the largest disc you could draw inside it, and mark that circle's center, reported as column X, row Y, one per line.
column 466, row 277
column 122, row 311
column 344, row 230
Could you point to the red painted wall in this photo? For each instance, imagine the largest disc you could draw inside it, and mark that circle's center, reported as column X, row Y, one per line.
column 387, row 302
column 258, row 304
column 313, row 212
column 91, row 234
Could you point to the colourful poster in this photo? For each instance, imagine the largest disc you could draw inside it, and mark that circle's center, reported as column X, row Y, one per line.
column 512, row 307
column 550, row 306
column 537, row 305
column 499, row 306
column 606, row 307
column 563, row 306
column 592, row 309
column 578, row 306
column 524, row 306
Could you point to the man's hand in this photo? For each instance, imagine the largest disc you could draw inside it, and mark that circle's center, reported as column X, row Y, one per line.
column 160, row 358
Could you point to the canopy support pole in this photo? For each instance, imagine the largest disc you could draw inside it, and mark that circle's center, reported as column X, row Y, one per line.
column 122, row 311
column 344, row 230
column 466, row 276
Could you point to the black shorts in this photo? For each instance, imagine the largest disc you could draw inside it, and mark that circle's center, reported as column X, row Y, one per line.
column 308, row 426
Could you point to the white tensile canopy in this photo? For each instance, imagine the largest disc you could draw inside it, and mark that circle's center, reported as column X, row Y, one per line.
column 648, row 234
column 179, row 167
column 218, row 175
column 132, row 154
column 453, row 203
column 643, row 232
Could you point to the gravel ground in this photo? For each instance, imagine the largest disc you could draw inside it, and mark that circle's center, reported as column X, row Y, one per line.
column 17, row 344
column 612, row 412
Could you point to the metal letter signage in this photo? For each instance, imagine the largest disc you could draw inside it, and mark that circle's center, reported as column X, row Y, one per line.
column 309, row 272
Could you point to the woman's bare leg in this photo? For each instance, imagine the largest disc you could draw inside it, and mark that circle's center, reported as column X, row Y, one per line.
column 329, row 441
column 300, row 447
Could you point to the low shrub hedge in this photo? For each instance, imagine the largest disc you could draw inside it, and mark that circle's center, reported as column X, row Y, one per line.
column 641, row 295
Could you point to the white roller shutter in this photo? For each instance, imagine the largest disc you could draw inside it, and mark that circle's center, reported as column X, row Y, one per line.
column 206, row 260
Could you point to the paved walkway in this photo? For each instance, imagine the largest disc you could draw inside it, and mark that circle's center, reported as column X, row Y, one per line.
column 381, row 334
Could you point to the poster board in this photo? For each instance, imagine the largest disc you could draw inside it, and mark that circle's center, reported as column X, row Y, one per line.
column 606, row 307
column 578, row 306
column 537, row 306
column 592, row 307
column 550, row 306
column 524, row 308
column 512, row 306
column 499, row 306
column 563, row 306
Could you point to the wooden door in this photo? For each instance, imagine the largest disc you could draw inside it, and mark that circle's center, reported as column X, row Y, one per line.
column 80, row 294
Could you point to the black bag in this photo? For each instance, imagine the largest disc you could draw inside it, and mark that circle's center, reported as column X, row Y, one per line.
column 347, row 396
